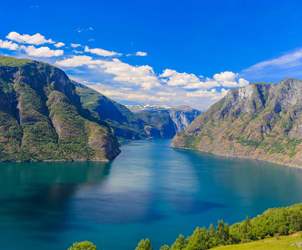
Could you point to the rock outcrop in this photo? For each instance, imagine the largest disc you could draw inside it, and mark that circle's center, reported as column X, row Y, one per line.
column 260, row 121
column 165, row 122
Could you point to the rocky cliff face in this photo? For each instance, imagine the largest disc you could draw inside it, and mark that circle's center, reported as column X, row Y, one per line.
column 182, row 117
column 42, row 118
column 161, row 122
column 258, row 121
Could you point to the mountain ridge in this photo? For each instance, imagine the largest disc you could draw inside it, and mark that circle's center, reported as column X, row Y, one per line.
column 259, row 121
column 41, row 117
column 45, row 116
column 163, row 121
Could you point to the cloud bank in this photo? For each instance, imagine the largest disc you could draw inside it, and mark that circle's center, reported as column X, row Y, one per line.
column 140, row 84
column 108, row 72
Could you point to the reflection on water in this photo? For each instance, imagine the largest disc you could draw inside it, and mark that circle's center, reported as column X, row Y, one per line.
column 150, row 190
column 39, row 194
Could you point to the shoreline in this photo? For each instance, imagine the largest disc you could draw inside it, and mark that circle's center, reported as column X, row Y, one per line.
column 228, row 156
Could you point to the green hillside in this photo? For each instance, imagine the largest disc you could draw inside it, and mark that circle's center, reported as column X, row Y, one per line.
column 273, row 222
column 125, row 124
column 292, row 242
column 259, row 121
column 42, row 118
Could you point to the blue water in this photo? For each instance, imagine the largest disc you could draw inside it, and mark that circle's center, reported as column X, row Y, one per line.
column 150, row 190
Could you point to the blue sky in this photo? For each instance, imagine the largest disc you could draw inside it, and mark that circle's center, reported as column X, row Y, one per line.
column 159, row 52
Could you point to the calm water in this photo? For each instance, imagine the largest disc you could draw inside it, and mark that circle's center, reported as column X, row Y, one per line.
column 150, row 190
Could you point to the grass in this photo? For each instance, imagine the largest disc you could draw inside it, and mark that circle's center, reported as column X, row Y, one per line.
column 291, row 242
column 13, row 62
column 246, row 142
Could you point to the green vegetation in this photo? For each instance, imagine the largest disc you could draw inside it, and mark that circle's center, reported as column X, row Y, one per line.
column 273, row 145
column 275, row 229
column 41, row 117
column 260, row 121
column 84, row 245
column 13, row 62
column 153, row 123
column 144, row 245
column 273, row 222
column 124, row 123
column 247, row 142
column 292, row 242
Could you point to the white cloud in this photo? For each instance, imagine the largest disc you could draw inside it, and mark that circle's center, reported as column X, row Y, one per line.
column 125, row 82
column 242, row 82
column 143, row 76
column 226, row 76
column 205, row 93
column 101, row 52
column 191, row 81
column 36, row 39
column 42, row 51
column 141, row 53
column 75, row 61
column 75, row 45
column 139, row 75
column 8, row 45
column 174, row 78
column 162, row 96
column 129, row 94
column 59, row 45
column 287, row 60
column 140, row 84
column 230, row 79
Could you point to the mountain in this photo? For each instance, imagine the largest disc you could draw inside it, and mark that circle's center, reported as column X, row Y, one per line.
column 126, row 124
column 137, row 121
column 42, row 118
column 165, row 122
column 259, row 121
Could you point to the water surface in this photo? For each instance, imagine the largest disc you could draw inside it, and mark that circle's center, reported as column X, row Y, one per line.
column 150, row 190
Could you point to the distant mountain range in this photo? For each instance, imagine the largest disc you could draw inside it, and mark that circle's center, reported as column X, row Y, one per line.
column 259, row 121
column 139, row 121
column 165, row 122
column 46, row 116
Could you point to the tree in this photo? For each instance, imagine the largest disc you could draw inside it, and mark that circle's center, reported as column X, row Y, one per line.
column 144, row 245
column 180, row 243
column 246, row 230
column 213, row 238
column 223, row 232
column 199, row 240
column 164, row 247
column 84, row 245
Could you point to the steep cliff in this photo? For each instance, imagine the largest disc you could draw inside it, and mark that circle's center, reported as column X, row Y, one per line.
column 260, row 121
column 164, row 122
column 41, row 117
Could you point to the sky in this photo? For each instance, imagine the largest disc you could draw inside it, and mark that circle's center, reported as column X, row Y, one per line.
column 159, row 52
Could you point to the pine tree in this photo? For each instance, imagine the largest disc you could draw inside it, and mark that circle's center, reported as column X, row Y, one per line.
column 144, row 245
column 180, row 243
